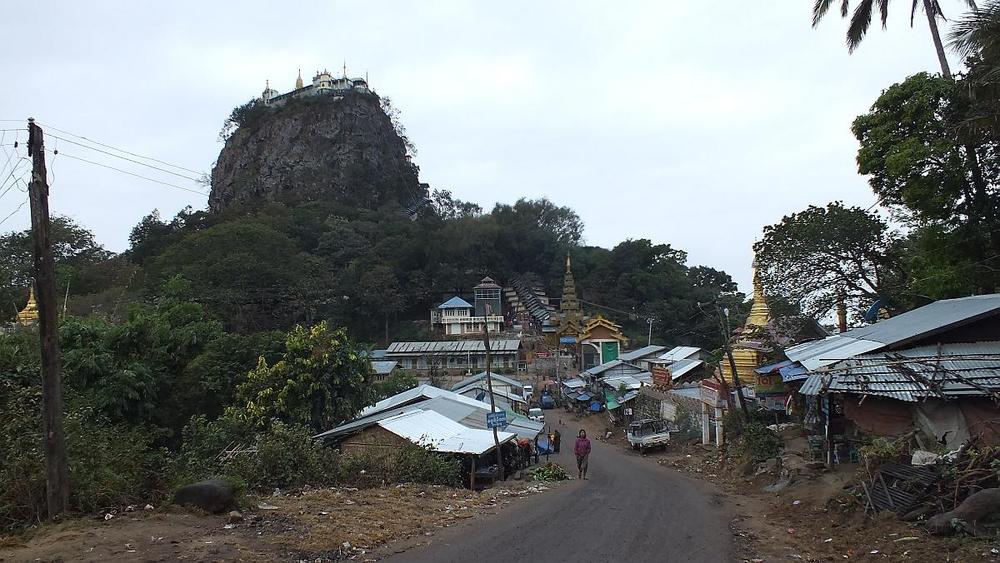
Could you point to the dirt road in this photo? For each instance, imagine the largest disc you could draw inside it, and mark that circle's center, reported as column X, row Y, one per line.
column 628, row 510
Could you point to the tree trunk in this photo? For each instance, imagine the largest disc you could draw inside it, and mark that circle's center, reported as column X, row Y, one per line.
column 931, row 13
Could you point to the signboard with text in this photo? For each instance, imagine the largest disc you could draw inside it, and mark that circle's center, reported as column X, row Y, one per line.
column 711, row 394
column 496, row 419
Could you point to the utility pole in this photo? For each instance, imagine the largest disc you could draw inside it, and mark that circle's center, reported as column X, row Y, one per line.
column 649, row 338
column 489, row 386
column 56, row 472
column 732, row 363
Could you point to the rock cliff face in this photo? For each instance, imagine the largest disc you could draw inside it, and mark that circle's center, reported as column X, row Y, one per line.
column 344, row 150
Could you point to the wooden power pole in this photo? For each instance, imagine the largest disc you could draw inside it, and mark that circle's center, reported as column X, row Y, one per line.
column 56, row 472
column 489, row 387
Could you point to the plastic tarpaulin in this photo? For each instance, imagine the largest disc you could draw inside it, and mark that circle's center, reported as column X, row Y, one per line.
column 595, row 406
column 612, row 402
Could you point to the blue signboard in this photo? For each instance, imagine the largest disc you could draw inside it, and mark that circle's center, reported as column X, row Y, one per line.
column 496, row 419
column 567, row 340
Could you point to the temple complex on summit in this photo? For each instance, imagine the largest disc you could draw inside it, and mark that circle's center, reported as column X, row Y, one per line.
column 323, row 84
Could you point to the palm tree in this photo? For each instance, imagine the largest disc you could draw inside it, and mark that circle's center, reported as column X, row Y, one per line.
column 979, row 33
column 977, row 37
column 861, row 19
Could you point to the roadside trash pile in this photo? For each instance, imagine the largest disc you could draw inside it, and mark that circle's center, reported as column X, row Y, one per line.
column 961, row 489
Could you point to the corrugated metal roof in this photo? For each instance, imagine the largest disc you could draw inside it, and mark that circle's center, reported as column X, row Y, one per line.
column 919, row 323
column 913, row 374
column 384, row 367
column 830, row 350
column 418, row 393
column 576, row 383
column 681, row 367
column 455, row 302
column 680, row 353
column 461, row 409
column 481, row 376
column 451, row 347
column 429, row 428
column 482, row 388
column 621, row 366
column 763, row 370
column 793, row 372
column 641, row 353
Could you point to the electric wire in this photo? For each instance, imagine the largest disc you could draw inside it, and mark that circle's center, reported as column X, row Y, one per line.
column 125, row 158
column 107, row 146
column 4, row 220
column 11, row 175
column 102, row 165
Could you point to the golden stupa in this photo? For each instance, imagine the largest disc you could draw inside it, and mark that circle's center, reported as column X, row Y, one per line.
column 29, row 315
column 746, row 358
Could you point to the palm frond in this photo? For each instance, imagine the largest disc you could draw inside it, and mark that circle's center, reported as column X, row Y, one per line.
column 977, row 31
column 860, row 21
column 821, row 7
column 883, row 8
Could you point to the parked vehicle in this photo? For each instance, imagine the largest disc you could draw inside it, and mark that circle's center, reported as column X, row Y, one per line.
column 536, row 414
column 528, row 392
column 649, row 433
column 546, row 401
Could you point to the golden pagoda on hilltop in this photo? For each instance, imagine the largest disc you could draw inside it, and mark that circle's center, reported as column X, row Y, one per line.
column 746, row 356
column 29, row 315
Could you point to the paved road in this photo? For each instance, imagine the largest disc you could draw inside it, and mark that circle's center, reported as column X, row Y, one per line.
column 630, row 509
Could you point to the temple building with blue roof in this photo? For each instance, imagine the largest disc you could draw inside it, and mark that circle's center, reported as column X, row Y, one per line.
column 458, row 318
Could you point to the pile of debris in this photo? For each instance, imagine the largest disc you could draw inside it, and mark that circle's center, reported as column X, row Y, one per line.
column 961, row 488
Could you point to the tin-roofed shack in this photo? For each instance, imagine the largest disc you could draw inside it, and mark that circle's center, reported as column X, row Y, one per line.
column 933, row 372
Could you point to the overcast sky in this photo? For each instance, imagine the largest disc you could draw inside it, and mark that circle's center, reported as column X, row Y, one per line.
column 687, row 122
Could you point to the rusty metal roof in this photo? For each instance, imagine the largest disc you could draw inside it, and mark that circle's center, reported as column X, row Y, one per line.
column 914, row 374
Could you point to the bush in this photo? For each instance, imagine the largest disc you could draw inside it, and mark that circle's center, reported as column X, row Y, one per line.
column 109, row 465
column 408, row 464
column 758, row 442
column 881, row 450
column 280, row 456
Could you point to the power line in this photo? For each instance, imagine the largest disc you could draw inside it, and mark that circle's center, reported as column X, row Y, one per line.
column 15, row 211
column 11, row 175
column 121, row 150
column 140, row 163
column 201, row 193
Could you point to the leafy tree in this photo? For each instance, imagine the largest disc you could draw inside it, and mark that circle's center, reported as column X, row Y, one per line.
column 396, row 383
column 817, row 255
column 910, row 148
column 448, row 207
column 321, row 380
column 81, row 263
column 242, row 116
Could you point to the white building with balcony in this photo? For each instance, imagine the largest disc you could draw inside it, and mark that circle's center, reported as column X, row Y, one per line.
column 456, row 317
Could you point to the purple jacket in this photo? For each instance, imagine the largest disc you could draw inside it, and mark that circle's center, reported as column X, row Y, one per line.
column 582, row 447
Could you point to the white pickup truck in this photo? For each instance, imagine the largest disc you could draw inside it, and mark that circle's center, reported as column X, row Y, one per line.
column 647, row 434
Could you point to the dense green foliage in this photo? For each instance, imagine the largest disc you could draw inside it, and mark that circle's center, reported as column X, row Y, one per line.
column 372, row 271
column 819, row 255
column 933, row 159
column 320, row 380
column 158, row 398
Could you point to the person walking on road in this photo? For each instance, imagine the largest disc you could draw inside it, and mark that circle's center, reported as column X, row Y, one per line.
column 556, row 438
column 582, row 452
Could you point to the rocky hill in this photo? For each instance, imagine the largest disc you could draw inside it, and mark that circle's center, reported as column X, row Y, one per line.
column 343, row 149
